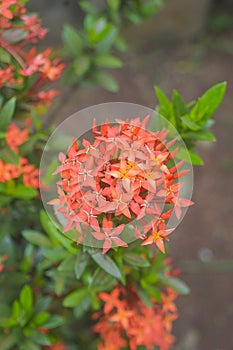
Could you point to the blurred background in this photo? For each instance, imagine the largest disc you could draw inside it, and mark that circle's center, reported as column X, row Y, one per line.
column 188, row 46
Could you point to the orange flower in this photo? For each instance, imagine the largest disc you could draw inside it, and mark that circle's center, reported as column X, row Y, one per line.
column 16, row 137
column 126, row 175
column 127, row 322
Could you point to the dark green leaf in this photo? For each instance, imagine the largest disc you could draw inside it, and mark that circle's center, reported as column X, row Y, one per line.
column 179, row 108
column 6, row 113
column 53, row 322
column 175, row 284
column 105, row 80
column 9, row 156
column 144, row 297
column 81, row 263
column 136, row 260
column 7, row 341
column 107, row 264
column 72, row 40
column 37, row 238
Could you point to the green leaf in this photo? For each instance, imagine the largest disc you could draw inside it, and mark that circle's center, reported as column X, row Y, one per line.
column 72, row 40
column 175, row 284
column 5, row 57
column 144, row 297
column 74, row 298
column 40, row 338
column 81, row 263
column 6, row 113
column 165, row 105
column 53, row 322
column 29, row 345
column 200, row 135
column 26, row 299
column 208, row 103
column 105, row 80
column 37, row 238
column 179, row 108
column 108, row 61
column 81, row 65
column 9, row 156
column 102, row 279
column 107, row 264
column 190, row 123
column 114, row 4
column 82, row 307
column 41, row 318
column 23, row 192
column 136, row 260
column 55, row 235
column 189, row 156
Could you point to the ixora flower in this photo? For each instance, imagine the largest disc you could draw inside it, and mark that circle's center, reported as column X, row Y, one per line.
column 126, row 321
column 125, row 183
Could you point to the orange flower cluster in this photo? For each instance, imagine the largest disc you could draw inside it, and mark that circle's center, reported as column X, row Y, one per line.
column 127, row 175
column 127, row 322
column 17, row 30
column 57, row 346
column 14, row 138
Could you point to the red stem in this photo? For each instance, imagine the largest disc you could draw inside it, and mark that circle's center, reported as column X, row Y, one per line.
column 12, row 52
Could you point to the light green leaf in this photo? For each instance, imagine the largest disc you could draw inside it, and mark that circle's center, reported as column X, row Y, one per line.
column 190, row 123
column 74, row 298
column 22, row 192
column 208, row 103
column 81, row 65
column 26, row 299
column 200, row 135
column 108, row 61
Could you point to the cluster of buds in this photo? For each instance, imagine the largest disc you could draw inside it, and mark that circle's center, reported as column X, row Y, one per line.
column 124, row 183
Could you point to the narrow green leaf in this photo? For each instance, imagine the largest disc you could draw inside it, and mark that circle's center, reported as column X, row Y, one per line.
column 190, row 123
column 72, row 40
column 74, row 298
column 81, row 65
column 26, row 299
column 144, row 297
column 23, row 192
column 108, row 61
column 179, row 108
column 165, row 105
column 105, row 80
column 175, row 284
column 37, row 238
column 81, row 263
column 9, row 156
column 53, row 322
column 6, row 113
column 200, row 135
column 136, row 260
column 208, row 103
column 107, row 264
